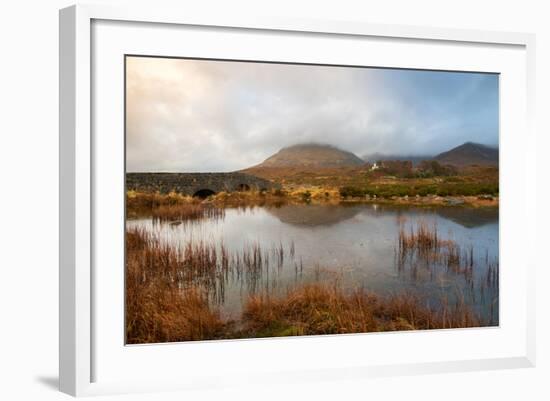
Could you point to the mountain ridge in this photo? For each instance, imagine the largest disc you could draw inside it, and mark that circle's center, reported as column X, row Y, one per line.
column 318, row 155
column 469, row 153
column 312, row 155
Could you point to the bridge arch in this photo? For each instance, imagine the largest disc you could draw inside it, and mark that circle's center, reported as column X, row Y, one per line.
column 243, row 187
column 203, row 193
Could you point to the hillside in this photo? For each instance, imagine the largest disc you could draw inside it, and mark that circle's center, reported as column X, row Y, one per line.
column 415, row 159
column 469, row 153
column 311, row 155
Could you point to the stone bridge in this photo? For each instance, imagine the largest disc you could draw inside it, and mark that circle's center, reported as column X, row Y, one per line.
column 196, row 184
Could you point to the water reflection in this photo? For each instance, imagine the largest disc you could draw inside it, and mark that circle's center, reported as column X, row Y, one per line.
column 270, row 249
column 313, row 215
column 469, row 218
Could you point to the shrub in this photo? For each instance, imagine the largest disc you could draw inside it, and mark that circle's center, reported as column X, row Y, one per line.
column 398, row 168
column 354, row 192
column 432, row 168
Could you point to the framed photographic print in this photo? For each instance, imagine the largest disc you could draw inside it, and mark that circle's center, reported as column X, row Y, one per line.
column 279, row 200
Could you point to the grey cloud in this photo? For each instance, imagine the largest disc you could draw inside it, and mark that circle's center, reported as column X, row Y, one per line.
column 191, row 115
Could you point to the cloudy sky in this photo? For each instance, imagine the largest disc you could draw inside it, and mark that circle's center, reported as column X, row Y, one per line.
column 198, row 115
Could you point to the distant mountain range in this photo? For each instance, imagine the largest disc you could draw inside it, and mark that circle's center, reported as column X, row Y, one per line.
column 469, row 153
column 313, row 155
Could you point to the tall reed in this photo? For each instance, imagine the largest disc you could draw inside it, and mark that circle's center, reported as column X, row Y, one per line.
column 157, row 307
column 204, row 263
column 423, row 245
column 322, row 308
column 187, row 211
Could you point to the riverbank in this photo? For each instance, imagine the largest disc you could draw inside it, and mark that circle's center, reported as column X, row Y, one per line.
column 313, row 309
column 143, row 203
column 488, row 201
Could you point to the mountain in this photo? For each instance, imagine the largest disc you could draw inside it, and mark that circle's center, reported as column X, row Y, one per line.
column 374, row 157
column 469, row 153
column 312, row 155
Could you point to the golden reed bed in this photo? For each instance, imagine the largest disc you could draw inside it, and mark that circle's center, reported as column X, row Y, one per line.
column 168, row 299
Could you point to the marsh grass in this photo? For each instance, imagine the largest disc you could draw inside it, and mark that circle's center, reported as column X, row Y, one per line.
column 421, row 247
column 447, row 186
column 173, row 292
column 139, row 203
column 157, row 307
column 182, row 213
column 423, row 244
column 171, row 295
column 323, row 308
column 203, row 263
column 175, row 206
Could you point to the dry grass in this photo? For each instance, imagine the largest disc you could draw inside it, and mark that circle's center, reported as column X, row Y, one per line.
column 424, row 238
column 171, row 293
column 202, row 262
column 468, row 181
column 170, row 290
column 249, row 198
column 158, row 309
column 196, row 264
column 424, row 242
column 172, row 207
column 144, row 203
column 294, row 194
column 156, row 314
column 327, row 309
column 151, row 200
column 187, row 211
column 421, row 246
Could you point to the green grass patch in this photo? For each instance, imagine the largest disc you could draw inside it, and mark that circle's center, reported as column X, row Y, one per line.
column 457, row 188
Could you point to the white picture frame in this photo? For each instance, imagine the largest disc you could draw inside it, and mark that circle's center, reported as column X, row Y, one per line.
column 79, row 155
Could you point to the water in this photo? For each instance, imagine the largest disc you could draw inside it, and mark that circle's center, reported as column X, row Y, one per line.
column 356, row 245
